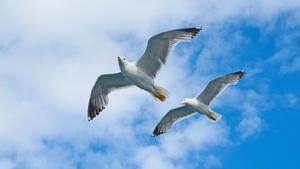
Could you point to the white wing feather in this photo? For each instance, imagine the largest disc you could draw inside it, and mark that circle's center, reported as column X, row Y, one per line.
column 104, row 84
column 216, row 86
column 170, row 118
column 159, row 47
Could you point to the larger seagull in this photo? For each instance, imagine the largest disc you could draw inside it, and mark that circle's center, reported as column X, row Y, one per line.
column 199, row 104
column 140, row 73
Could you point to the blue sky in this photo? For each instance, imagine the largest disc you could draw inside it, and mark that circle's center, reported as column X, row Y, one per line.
column 275, row 146
column 51, row 53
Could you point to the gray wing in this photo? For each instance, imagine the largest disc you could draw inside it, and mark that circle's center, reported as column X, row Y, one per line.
column 171, row 117
column 160, row 45
column 104, row 84
column 217, row 85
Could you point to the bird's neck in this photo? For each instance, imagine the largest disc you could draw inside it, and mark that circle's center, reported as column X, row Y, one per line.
column 191, row 101
column 124, row 64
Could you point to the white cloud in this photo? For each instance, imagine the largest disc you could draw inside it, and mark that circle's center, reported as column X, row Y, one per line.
column 292, row 99
column 251, row 122
column 212, row 162
column 51, row 53
column 6, row 163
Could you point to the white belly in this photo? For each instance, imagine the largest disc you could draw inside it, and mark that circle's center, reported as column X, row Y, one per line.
column 138, row 77
column 199, row 107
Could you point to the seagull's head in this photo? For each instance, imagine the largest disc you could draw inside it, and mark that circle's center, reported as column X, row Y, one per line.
column 121, row 59
column 122, row 62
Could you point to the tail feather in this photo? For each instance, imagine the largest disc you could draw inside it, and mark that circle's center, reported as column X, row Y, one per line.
column 214, row 116
column 160, row 93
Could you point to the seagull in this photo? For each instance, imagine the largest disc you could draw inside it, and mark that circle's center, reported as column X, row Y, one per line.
column 200, row 104
column 140, row 73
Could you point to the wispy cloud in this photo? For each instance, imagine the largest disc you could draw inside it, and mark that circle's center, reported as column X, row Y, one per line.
column 52, row 51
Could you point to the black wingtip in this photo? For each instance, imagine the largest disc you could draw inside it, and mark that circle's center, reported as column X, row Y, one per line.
column 156, row 132
column 93, row 112
column 193, row 30
column 197, row 30
column 241, row 73
column 155, row 135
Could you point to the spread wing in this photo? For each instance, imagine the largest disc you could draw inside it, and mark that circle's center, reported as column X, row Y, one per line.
column 170, row 118
column 160, row 45
column 217, row 85
column 104, row 84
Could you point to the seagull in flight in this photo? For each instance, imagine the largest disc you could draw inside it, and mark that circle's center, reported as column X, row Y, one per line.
column 200, row 104
column 140, row 73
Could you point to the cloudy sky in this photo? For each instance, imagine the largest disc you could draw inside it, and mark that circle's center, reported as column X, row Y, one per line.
column 52, row 51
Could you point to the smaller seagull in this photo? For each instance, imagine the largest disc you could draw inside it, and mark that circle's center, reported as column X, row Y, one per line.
column 200, row 104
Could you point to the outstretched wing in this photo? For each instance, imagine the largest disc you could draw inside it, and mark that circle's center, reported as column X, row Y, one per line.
column 170, row 118
column 104, row 84
column 160, row 45
column 217, row 85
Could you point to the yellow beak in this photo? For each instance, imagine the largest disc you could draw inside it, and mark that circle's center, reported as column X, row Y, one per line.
column 119, row 58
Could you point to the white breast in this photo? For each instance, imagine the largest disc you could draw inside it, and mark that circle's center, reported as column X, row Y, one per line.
column 199, row 106
column 138, row 77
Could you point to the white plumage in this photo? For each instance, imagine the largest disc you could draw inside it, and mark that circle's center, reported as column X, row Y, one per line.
column 200, row 104
column 141, row 73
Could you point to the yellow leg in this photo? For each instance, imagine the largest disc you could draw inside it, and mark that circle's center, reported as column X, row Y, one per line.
column 159, row 95
column 211, row 116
